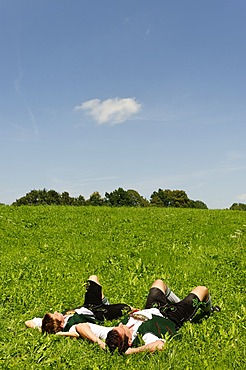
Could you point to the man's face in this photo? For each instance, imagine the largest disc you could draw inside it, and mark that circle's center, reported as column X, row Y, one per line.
column 124, row 330
column 57, row 316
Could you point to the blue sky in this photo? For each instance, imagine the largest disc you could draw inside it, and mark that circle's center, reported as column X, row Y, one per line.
column 138, row 94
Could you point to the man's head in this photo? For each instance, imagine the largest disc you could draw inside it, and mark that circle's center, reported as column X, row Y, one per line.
column 119, row 338
column 52, row 323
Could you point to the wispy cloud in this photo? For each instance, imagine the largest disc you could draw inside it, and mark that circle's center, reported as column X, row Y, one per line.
column 147, row 32
column 17, row 82
column 235, row 155
column 17, row 86
column 126, row 20
column 241, row 197
column 112, row 111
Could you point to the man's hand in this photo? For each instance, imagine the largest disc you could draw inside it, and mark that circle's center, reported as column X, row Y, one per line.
column 152, row 347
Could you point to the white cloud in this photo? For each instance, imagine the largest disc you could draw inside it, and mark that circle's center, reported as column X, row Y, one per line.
column 242, row 197
column 234, row 155
column 147, row 32
column 17, row 86
column 111, row 110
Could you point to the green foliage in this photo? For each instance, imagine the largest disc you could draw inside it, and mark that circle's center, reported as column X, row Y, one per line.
column 136, row 200
column 96, row 199
column 238, row 207
column 174, row 198
column 48, row 252
column 128, row 198
column 198, row 204
column 49, row 197
column 117, row 198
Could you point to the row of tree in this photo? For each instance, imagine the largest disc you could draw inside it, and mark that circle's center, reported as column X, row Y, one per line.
column 117, row 198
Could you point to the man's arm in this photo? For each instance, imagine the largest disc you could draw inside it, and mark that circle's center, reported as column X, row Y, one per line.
column 85, row 331
column 151, row 347
column 34, row 323
column 30, row 324
column 68, row 334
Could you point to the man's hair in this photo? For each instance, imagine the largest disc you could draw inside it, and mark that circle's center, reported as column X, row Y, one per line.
column 50, row 325
column 116, row 341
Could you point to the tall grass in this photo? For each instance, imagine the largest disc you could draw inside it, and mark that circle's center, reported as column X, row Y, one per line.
column 47, row 253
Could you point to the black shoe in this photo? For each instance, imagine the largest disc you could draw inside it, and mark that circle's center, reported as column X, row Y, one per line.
column 215, row 309
column 197, row 319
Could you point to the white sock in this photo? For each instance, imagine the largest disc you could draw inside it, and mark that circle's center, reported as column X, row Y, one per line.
column 105, row 300
column 171, row 297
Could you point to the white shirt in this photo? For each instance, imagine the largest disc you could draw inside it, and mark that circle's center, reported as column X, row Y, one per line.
column 38, row 320
column 102, row 331
column 134, row 323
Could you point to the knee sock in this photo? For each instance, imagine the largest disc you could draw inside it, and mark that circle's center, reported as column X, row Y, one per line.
column 171, row 297
column 105, row 300
column 207, row 306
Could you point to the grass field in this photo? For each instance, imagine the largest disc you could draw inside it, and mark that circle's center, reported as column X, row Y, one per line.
column 47, row 253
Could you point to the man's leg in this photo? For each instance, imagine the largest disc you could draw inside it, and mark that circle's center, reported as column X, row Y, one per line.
column 94, row 300
column 203, row 294
column 96, row 280
column 171, row 297
column 93, row 294
column 160, row 294
column 186, row 309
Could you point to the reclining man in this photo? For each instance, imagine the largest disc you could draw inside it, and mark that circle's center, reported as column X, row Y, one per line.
column 95, row 309
column 148, row 329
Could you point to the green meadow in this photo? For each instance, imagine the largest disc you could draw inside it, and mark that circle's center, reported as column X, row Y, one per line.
column 48, row 252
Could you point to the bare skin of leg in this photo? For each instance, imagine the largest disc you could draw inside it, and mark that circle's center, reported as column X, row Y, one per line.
column 159, row 284
column 201, row 292
column 96, row 280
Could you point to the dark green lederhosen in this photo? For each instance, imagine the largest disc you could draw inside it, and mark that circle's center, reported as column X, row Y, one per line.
column 158, row 326
column 79, row 319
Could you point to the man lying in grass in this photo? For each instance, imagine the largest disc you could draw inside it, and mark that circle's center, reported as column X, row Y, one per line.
column 148, row 329
column 95, row 309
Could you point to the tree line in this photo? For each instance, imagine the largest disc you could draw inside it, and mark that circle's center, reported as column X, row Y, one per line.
column 117, row 198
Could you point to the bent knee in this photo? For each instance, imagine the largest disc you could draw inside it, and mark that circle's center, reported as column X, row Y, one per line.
column 94, row 278
column 203, row 288
column 202, row 292
column 158, row 283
